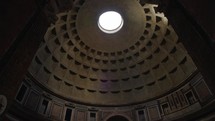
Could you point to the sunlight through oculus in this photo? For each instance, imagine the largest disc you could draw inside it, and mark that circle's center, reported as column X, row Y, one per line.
column 110, row 22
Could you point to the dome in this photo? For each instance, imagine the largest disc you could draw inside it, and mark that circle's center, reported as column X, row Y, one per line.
column 142, row 61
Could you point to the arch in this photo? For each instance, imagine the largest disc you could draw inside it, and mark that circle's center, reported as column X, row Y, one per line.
column 117, row 118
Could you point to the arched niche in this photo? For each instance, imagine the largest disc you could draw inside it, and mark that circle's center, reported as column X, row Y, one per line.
column 117, row 118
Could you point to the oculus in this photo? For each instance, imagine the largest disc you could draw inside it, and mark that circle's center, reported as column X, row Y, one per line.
column 110, row 22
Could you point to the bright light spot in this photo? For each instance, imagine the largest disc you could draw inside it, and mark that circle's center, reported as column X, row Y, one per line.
column 110, row 22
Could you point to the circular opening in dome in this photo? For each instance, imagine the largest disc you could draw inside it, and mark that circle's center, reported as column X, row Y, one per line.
column 110, row 22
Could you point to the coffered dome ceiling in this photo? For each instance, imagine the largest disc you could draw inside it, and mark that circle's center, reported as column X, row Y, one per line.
column 144, row 60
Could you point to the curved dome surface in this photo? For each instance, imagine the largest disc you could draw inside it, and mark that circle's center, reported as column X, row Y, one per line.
column 144, row 60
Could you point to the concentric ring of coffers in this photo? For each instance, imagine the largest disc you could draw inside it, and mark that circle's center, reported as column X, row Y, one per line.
column 152, row 60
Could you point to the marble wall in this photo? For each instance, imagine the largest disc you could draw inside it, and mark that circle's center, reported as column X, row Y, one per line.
column 187, row 99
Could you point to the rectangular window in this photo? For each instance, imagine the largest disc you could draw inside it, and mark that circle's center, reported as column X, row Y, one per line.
column 141, row 115
column 190, row 97
column 21, row 93
column 68, row 115
column 44, row 106
column 92, row 116
column 165, row 108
